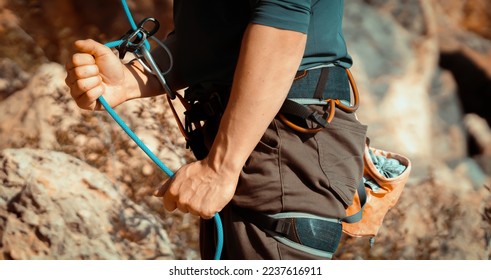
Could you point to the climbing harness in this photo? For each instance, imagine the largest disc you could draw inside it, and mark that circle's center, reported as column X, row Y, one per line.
column 294, row 108
column 136, row 41
column 203, row 104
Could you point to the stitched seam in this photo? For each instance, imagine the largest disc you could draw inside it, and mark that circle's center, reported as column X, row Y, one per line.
column 278, row 249
column 280, row 170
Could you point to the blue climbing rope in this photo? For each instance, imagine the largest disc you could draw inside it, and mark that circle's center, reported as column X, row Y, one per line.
column 139, row 142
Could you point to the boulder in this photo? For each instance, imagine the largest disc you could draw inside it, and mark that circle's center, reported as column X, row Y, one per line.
column 12, row 78
column 31, row 116
column 54, row 206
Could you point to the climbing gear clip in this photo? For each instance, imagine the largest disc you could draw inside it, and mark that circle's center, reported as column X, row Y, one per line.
column 133, row 40
column 329, row 115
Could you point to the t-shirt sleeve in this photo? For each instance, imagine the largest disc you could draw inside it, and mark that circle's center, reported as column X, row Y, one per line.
column 284, row 14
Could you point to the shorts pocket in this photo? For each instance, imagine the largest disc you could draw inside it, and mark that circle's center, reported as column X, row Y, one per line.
column 340, row 147
column 259, row 183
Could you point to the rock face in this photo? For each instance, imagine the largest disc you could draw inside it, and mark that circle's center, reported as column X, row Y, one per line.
column 54, row 206
column 424, row 75
column 394, row 67
column 12, row 78
column 35, row 113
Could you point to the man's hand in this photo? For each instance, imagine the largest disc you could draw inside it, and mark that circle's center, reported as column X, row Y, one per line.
column 199, row 189
column 94, row 71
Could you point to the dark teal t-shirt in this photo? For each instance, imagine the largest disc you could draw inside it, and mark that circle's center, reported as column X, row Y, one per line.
column 209, row 33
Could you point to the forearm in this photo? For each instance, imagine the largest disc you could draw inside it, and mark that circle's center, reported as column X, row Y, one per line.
column 267, row 65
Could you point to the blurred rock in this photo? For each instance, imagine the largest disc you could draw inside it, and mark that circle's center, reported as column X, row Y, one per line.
column 17, row 44
column 480, row 131
column 447, row 128
column 32, row 116
column 74, row 212
column 466, row 51
column 55, row 24
column 471, row 15
column 12, row 78
column 480, row 134
column 394, row 69
column 470, row 168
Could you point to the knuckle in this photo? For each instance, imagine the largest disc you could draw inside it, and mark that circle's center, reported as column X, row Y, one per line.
column 81, row 104
column 79, row 71
column 93, row 94
column 80, row 84
column 173, row 192
column 76, row 58
column 82, row 59
column 207, row 214
column 184, row 202
column 169, row 206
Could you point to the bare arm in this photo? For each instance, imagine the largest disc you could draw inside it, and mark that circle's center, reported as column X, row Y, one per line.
column 267, row 64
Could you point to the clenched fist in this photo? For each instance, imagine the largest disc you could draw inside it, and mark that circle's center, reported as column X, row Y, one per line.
column 93, row 71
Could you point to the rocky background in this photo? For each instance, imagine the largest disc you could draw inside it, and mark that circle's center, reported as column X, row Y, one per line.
column 73, row 186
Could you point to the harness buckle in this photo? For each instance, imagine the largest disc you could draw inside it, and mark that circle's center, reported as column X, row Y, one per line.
column 283, row 226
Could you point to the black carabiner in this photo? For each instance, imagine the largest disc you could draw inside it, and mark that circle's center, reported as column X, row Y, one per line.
column 134, row 39
column 153, row 30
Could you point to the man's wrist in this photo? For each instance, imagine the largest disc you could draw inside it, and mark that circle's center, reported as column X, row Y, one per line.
column 139, row 83
column 225, row 159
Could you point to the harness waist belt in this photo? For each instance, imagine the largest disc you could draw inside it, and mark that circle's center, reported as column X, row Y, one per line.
column 321, row 83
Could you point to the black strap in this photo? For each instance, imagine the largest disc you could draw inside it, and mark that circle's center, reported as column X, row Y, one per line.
column 321, row 85
column 264, row 221
column 296, row 109
column 362, row 194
